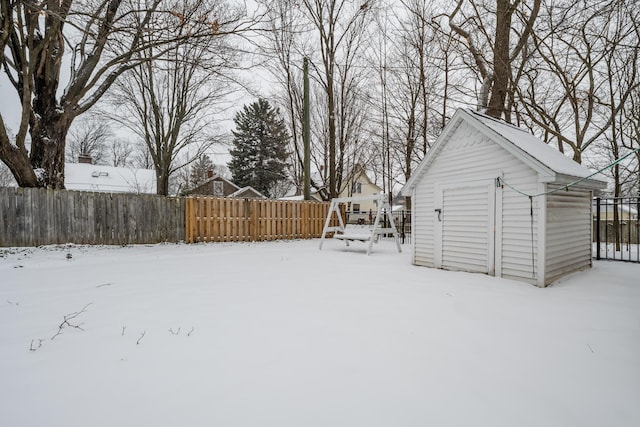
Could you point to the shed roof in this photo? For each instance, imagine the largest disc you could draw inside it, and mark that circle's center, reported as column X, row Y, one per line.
column 534, row 152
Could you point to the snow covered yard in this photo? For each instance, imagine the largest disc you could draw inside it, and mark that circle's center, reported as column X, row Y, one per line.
column 282, row 334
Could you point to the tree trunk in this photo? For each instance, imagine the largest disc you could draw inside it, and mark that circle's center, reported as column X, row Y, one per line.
column 501, row 60
column 162, row 183
column 48, row 135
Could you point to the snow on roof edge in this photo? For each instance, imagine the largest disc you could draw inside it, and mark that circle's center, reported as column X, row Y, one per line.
column 520, row 139
column 535, row 148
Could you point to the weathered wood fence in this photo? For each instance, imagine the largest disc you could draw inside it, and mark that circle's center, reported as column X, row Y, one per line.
column 210, row 219
column 33, row 217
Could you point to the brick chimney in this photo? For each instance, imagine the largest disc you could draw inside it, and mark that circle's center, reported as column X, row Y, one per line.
column 84, row 158
column 209, row 174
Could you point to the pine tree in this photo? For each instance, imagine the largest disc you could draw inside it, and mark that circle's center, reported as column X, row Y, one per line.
column 259, row 153
column 200, row 170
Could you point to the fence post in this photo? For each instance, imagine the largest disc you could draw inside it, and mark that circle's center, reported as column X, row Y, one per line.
column 598, row 228
column 404, row 219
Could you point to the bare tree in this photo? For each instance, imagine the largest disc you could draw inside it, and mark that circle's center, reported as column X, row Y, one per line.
column 411, row 79
column 620, row 71
column 88, row 137
column 339, row 24
column 104, row 39
column 119, row 152
column 487, row 28
column 630, row 129
column 168, row 100
column 141, row 156
column 286, row 28
column 330, row 33
column 569, row 92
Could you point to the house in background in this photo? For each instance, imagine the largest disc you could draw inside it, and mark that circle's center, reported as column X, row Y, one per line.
column 491, row 198
column 319, row 194
column 219, row 186
column 625, row 208
column 357, row 183
column 109, row 179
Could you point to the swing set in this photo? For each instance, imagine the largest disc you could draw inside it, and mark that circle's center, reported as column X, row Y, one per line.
column 357, row 232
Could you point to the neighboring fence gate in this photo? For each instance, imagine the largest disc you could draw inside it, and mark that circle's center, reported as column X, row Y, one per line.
column 616, row 228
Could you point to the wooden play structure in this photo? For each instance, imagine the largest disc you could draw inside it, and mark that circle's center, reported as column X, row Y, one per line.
column 360, row 232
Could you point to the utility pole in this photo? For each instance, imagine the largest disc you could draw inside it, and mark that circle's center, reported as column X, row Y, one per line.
column 305, row 132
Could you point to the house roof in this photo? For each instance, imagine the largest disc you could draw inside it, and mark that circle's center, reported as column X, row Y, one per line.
column 314, row 196
column 213, row 178
column 356, row 172
column 316, row 192
column 247, row 189
column 549, row 162
column 109, row 179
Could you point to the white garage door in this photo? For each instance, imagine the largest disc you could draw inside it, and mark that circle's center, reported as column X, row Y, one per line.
column 465, row 223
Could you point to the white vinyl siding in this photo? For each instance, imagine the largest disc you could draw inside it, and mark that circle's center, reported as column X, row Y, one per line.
column 422, row 231
column 568, row 232
column 470, row 157
column 533, row 239
column 519, row 245
column 465, row 228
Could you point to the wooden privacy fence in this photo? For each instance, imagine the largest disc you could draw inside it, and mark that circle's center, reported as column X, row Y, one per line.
column 211, row 219
column 35, row 216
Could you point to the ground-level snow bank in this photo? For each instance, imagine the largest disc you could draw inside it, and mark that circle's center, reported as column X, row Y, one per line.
column 282, row 334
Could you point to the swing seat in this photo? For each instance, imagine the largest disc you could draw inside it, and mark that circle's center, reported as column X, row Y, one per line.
column 352, row 232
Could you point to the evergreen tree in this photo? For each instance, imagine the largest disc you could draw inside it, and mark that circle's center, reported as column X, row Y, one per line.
column 259, row 148
column 200, row 170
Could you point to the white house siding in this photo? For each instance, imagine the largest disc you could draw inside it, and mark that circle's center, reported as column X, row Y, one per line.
column 470, row 157
column 519, row 245
column 568, row 232
column 368, row 188
column 422, row 229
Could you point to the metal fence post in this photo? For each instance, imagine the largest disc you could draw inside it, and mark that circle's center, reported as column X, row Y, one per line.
column 597, row 227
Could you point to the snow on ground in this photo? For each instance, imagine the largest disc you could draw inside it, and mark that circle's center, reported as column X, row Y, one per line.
column 282, row 334
column 626, row 252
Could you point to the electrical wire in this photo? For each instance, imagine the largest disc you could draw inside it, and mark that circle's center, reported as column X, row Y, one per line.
column 571, row 184
column 566, row 187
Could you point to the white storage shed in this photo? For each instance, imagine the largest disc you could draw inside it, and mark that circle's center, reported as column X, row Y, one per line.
column 490, row 197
